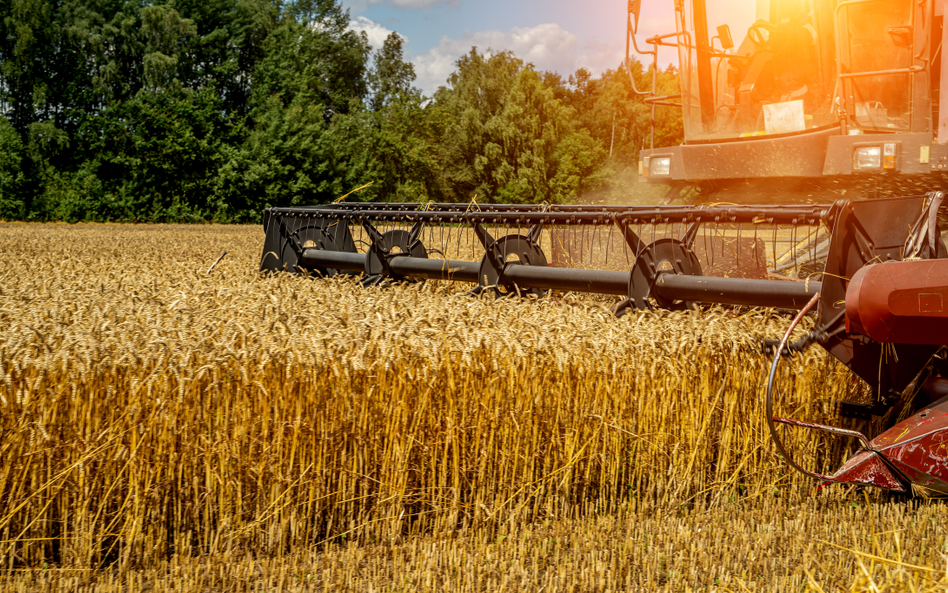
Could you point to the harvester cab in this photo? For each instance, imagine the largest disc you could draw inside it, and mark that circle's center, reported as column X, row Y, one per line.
column 839, row 94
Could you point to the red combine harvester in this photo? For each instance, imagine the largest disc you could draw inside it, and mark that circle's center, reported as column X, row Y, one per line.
column 822, row 96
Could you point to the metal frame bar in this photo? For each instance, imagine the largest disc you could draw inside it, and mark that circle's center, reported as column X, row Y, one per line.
column 566, row 214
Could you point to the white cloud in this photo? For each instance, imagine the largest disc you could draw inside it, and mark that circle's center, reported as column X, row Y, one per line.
column 357, row 6
column 547, row 46
column 420, row 4
column 374, row 31
column 598, row 57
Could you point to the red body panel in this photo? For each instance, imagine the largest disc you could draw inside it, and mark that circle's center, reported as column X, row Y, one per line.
column 915, row 450
column 868, row 468
column 900, row 302
column 918, row 447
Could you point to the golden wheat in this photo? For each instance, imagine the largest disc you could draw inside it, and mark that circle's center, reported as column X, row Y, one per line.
column 163, row 423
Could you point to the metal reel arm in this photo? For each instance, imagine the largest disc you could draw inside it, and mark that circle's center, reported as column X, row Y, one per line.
column 781, row 349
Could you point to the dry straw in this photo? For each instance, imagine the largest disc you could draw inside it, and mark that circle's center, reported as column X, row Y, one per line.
column 151, row 412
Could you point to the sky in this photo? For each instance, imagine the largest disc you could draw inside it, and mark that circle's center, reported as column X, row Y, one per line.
column 557, row 35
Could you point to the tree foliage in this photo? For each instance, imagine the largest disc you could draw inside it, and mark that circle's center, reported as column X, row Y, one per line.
column 509, row 139
column 215, row 109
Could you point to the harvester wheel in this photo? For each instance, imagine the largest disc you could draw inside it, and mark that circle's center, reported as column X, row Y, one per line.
column 392, row 244
column 314, row 235
column 664, row 256
column 512, row 250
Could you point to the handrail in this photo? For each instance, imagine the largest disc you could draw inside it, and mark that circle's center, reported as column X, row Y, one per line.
column 909, row 70
column 655, row 41
column 628, row 59
column 663, row 98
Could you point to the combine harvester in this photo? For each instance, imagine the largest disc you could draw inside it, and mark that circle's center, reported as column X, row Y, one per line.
column 819, row 100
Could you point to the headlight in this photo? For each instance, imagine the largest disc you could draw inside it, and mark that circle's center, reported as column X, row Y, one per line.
column 875, row 157
column 867, row 157
column 659, row 166
column 888, row 155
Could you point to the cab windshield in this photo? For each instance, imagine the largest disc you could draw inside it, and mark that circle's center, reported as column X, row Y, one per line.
column 769, row 67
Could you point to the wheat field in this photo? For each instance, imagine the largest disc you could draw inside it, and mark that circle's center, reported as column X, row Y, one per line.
column 164, row 428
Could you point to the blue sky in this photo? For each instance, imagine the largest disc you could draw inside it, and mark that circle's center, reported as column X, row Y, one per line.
column 553, row 34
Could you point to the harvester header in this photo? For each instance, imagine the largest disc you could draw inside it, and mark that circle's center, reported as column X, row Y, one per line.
column 874, row 272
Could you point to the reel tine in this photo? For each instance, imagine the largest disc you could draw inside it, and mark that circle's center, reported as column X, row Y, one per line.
column 582, row 244
column 608, row 246
column 714, row 243
column 584, row 248
column 597, row 235
column 688, row 237
column 793, row 243
column 415, row 233
column 441, row 241
column 756, row 254
column 372, row 232
column 535, row 233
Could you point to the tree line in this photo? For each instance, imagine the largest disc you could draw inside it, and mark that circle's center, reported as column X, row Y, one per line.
column 211, row 110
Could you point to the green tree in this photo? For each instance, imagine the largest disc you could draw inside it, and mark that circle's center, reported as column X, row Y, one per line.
column 508, row 138
column 166, row 36
column 229, row 42
column 114, row 52
column 313, row 72
column 215, row 109
column 392, row 142
column 27, row 43
column 314, row 58
column 283, row 160
column 12, row 206
column 617, row 117
column 391, row 76
column 151, row 158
